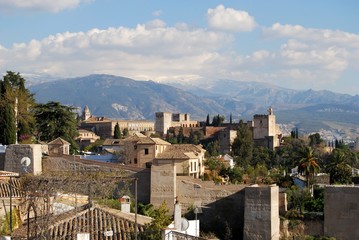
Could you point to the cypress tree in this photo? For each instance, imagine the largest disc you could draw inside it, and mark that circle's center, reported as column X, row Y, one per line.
column 9, row 126
column 207, row 120
column 117, row 132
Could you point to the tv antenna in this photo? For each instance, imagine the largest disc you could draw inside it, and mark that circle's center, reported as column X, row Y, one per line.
column 25, row 163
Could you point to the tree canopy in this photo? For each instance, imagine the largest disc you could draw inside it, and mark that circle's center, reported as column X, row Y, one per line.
column 117, row 132
column 242, row 146
column 308, row 163
column 54, row 120
column 16, row 104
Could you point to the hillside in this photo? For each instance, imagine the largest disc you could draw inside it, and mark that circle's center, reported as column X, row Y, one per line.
column 124, row 98
column 119, row 97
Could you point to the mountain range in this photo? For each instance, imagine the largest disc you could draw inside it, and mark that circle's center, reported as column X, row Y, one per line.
column 125, row 98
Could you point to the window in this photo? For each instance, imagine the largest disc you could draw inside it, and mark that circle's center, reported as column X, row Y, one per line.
column 135, row 160
column 146, row 151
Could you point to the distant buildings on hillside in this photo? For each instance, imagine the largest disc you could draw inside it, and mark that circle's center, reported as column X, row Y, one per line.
column 264, row 128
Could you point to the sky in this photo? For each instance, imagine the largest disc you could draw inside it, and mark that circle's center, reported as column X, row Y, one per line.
column 301, row 44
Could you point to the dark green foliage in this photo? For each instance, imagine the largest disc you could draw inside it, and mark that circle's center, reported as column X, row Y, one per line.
column 212, row 149
column 294, row 133
column 339, row 166
column 308, row 163
column 8, row 134
column 234, row 174
column 242, row 146
column 315, row 139
column 146, row 210
column 217, row 120
column 12, row 89
column 117, row 132
column 54, row 120
column 125, row 132
column 161, row 220
column 285, row 181
column 95, row 147
column 297, row 197
column 207, row 120
column 316, row 203
column 263, row 155
column 340, row 144
column 180, row 136
column 230, row 118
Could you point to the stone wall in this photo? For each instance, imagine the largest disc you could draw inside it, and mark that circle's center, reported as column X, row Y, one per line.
column 14, row 154
column 163, row 183
column 341, row 212
column 261, row 213
column 222, row 205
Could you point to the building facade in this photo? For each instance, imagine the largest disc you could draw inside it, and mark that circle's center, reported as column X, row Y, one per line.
column 166, row 120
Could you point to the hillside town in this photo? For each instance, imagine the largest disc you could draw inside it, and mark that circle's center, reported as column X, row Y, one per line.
column 66, row 175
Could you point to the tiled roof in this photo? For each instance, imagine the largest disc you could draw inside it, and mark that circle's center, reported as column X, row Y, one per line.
column 102, row 219
column 113, row 141
column 5, row 188
column 159, row 141
column 142, row 139
column 59, row 141
column 180, row 151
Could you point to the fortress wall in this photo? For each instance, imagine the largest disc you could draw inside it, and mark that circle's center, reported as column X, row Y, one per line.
column 341, row 212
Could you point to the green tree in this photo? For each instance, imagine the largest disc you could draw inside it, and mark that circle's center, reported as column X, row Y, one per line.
column 308, row 164
column 147, row 210
column 315, row 139
column 212, row 148
column 54, row 120
column 242, row 146
column 180, row 136
column 117, row 132
column 339, row 167
column 8, row 134
column 161, row 220
column 217, row 120
column 207, row 120
column 14, row 95
column 230, row 118
column 125, row 132
column 263, row 155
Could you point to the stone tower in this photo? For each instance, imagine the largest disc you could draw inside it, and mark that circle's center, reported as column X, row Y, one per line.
column 265, row 130
column 86, row 114
column 163, row 122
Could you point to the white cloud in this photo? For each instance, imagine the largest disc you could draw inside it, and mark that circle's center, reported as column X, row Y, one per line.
column 304, row 57
column 321, row 36
column 230, row 19
column 152, row 50
column 41, row 5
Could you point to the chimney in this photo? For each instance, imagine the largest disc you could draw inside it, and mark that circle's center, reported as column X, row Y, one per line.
column 178, row 216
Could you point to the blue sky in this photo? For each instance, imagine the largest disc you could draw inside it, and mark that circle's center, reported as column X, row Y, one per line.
column 294, row 44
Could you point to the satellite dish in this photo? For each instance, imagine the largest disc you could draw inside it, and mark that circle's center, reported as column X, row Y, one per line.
column 25, row 162
column 184, row 224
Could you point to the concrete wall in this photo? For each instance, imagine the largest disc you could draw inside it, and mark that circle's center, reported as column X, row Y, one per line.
column 341, row 212
column 261, row 213
column 14, row 154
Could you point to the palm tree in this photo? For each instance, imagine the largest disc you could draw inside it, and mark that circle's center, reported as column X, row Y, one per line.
column 308, row 163
column 340, row 168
